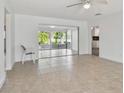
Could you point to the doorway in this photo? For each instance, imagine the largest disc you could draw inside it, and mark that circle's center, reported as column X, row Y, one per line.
column 95, row 40
column 58, row 41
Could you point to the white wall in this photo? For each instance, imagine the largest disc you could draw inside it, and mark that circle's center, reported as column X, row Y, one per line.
column 10, row 41
column 111, row 38
column 26, row 28
column 2, row 64
column 75, row 40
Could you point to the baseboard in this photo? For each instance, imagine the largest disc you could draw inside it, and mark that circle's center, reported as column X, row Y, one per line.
column 10, row 67
column 2, row 80
column 111, row 60
column 16, row 61
column 24, row 61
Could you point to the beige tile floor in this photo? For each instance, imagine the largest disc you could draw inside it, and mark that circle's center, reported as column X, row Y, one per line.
column 77, row 74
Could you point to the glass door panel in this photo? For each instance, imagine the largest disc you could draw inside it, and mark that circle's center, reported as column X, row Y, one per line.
column 44, row 40
column 58, row 40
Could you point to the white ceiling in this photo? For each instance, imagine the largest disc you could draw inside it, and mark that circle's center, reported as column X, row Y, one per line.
column 58, row 9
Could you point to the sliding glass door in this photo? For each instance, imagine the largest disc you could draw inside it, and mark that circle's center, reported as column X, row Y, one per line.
column 57, row 43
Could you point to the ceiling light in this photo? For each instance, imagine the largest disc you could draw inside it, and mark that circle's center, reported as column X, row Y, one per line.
column 87, row 5
column 52, row 26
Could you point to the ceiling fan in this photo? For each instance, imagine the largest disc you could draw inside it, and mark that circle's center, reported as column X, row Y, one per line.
column 87, row 3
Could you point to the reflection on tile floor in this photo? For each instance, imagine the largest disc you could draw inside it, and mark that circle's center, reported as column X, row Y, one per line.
column 57, row 52
column 72, row 74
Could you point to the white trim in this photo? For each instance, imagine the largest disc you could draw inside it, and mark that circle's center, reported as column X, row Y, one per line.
column 2, row 80
column 112, row 60
column 9, row 67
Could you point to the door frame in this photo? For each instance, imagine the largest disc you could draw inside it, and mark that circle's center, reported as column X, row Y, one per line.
column 78, row 36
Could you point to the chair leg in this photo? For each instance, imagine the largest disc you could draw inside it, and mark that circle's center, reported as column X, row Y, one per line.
column 23, row 56
column 33, row 58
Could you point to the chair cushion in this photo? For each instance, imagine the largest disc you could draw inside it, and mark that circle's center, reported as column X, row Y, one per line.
column 29, row 53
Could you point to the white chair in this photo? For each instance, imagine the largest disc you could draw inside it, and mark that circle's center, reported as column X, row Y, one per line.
column 27, row 52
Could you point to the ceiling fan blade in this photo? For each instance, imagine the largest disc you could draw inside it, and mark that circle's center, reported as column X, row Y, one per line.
column 74, row 5
column 101, row 1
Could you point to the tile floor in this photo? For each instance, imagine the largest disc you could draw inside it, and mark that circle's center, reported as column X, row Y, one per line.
column 72, row 74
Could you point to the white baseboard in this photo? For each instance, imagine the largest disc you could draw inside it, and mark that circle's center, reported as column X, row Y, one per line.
column 106, row 58
column 10, row 66
column 2, row 80
column 24, row 61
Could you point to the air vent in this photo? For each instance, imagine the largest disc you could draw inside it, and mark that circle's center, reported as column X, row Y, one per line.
column 98, row 14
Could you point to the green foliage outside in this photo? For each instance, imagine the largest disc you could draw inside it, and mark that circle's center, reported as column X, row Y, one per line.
column 58, row 35
column 43, row 37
